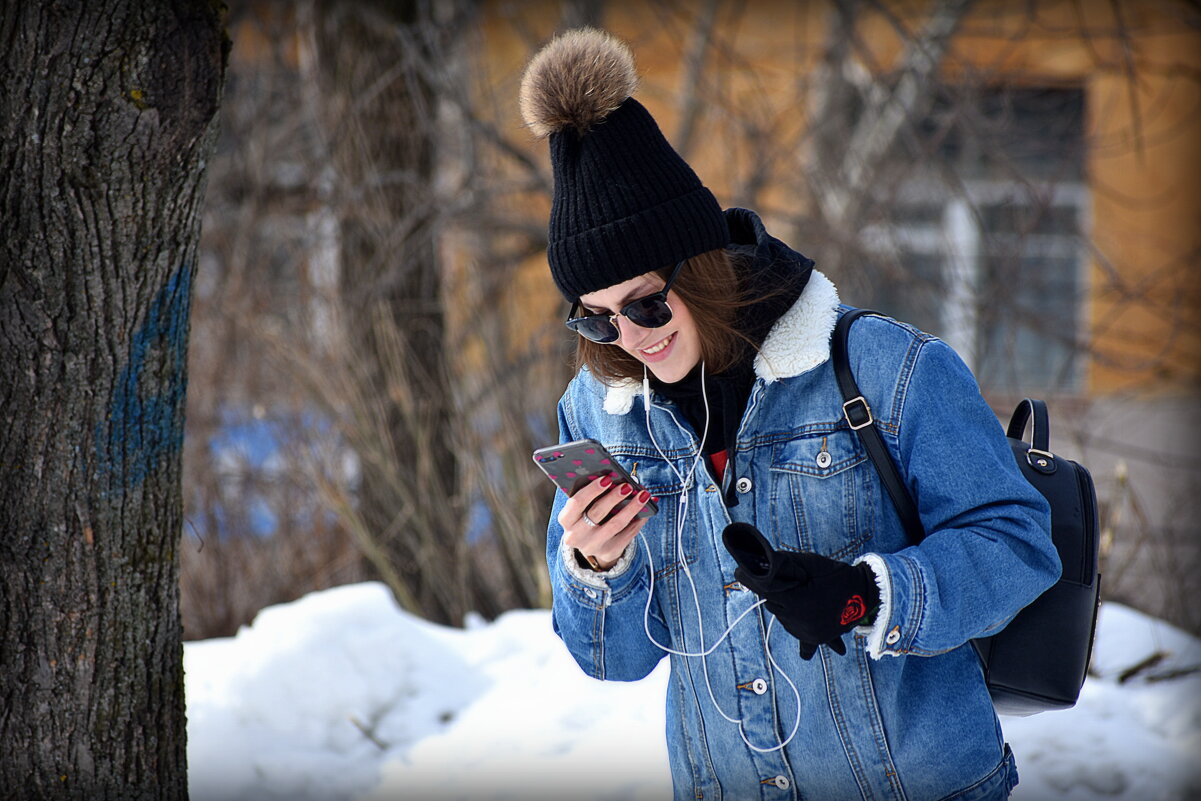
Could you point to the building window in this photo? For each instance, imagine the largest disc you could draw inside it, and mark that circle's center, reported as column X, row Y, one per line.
column 984, row 244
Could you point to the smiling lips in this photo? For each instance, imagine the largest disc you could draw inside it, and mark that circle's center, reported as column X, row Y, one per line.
column 658, row 350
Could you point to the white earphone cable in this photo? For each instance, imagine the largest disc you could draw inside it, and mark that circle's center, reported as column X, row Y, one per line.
column 685, row 485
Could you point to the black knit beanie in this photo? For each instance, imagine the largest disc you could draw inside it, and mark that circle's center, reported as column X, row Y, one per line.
column 624, row 202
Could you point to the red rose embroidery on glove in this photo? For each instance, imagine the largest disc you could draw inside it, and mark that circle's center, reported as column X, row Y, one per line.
column 854, row 610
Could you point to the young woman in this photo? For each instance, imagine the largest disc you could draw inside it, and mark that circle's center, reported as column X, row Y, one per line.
column 816, row 653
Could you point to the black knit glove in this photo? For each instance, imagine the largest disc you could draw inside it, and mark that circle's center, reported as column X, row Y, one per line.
column 815, row 598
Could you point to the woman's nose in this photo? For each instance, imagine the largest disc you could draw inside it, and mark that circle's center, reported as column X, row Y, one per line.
column 628, row 333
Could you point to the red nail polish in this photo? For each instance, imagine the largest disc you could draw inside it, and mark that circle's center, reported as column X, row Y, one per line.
column 606, row 482
column 625, row 489
column 644, row 496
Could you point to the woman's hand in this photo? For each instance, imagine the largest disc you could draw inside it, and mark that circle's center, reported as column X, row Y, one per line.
column 588, row 528
column 816, row 598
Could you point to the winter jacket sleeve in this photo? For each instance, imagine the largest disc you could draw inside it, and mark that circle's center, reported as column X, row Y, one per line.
column 600, row 615
column 988, row 550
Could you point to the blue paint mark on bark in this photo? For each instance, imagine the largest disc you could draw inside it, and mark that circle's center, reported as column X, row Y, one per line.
column 146, row 413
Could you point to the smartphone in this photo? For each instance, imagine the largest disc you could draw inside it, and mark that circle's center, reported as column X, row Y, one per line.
column 574, row 464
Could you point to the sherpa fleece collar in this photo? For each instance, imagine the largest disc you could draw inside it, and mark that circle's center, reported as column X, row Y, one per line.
column 798, row 342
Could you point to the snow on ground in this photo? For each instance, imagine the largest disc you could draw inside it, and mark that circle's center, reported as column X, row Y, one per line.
column 341, row 696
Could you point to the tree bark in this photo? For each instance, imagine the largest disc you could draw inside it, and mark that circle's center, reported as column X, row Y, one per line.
column 107, row 117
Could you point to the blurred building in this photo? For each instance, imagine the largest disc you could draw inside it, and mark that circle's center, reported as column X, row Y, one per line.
column 1039, row 210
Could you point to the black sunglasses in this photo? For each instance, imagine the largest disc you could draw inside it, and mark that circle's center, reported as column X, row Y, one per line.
column 651, row 311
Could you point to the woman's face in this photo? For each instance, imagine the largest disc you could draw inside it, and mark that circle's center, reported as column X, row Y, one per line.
column 671, row 351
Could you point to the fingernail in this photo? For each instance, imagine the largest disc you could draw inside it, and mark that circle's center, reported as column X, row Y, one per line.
column 606, row 482
column 625, row 489
column 644, row 496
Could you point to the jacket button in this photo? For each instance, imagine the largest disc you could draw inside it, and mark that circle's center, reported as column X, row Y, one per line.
column 743, row 485
column 782, row 782
column 824, row 459
column 894, row 636
column 759, row 686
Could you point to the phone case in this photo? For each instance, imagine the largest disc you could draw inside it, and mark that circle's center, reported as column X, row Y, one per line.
column 574, row 464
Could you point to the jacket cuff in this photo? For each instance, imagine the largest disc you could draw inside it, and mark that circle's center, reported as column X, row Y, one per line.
column 877, row 632
column 595, row 578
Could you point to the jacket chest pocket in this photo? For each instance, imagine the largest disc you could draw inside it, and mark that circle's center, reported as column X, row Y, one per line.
column 823, row 494
column 660, row 531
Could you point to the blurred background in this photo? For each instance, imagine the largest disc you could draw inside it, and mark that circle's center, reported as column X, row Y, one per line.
column 377, row 347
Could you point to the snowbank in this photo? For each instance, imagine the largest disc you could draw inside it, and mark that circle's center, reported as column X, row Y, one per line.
column 341, row 695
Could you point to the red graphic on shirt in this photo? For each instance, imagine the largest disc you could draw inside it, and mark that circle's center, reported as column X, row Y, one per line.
column 854, row 610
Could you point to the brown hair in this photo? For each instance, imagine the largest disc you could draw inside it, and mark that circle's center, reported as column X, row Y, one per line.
column 708, row 285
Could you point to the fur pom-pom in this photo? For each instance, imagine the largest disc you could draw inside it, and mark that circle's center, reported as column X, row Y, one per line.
column 576, row 81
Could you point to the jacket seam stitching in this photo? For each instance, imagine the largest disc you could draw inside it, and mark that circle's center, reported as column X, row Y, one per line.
column 992, row 774
column 598, row 634
column 905, row 379
column 885, row 753
column 918, row 611
column 848, row 746
column 900, row 400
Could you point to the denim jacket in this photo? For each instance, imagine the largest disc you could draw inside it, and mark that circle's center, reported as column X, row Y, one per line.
column 905, row 714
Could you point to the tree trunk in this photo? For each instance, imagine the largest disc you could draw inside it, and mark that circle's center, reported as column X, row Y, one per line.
column 378, row 64
column 107, row 117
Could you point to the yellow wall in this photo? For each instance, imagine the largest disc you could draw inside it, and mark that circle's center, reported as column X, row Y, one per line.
column 1145, row 168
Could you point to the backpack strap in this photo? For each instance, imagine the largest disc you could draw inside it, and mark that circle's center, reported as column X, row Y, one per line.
column 858, row 414
column 1040, row 435
column 1038, row 454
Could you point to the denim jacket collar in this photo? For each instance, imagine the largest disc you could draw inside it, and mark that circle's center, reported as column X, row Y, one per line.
column 799, row 342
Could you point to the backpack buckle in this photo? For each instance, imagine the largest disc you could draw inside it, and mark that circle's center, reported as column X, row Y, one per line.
column 1042, row 461
column 863, row 412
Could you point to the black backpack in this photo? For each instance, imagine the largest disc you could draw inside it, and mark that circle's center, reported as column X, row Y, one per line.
column 1039, row 660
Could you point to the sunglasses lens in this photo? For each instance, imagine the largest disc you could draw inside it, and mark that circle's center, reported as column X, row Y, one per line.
column 597, row 327
column 652, row 312
column 649, row 312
